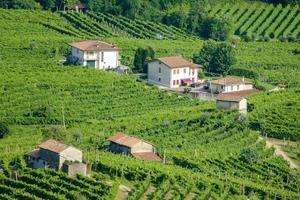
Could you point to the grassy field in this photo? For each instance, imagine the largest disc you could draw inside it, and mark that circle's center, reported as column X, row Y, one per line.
column 204, row 147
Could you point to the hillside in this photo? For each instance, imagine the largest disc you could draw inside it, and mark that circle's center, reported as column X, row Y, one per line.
column 261, row 19
column 205, row 148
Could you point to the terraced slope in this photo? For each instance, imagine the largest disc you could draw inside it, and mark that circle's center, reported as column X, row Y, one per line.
column 262, row 19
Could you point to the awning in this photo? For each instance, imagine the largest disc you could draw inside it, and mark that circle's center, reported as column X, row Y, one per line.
column 187, row 80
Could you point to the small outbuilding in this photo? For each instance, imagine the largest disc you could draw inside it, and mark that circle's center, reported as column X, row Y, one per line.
column 234, row 100
column 133, row 146
column 57, row 155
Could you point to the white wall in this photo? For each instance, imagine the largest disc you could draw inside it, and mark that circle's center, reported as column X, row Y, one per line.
column 110, row 58
column 70, row 154
column 167, row 75
column 231, row 88
column 230, row 105
column 163, row 78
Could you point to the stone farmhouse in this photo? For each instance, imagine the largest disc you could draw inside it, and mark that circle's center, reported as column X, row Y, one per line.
column 229, row 85
column 172, row 72
column 97, row 54
column 59, row 156
column 234, row 100
column 133, row 146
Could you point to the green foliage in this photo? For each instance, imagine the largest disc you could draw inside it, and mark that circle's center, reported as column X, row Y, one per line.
column 249, row 156
column 216, row 58
column 248, row 73
column 4, row 130
column 141, row 58
column 216, row 28
column 55, row 132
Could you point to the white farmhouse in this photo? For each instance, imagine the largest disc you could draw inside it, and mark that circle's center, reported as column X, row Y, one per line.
column 230, row 85
column 98, row 54
column 172, row 72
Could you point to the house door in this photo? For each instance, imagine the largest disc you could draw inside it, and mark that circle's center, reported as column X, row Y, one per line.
column 91, row 63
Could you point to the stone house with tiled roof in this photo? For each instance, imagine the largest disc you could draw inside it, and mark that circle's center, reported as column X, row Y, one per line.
column 54, row 154
column 234, row 100
column 97, row 54
column 129, row 145
column 172, row 72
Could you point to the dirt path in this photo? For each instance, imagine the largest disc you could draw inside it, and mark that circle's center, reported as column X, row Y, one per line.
column 277, row 144
column 123, row 192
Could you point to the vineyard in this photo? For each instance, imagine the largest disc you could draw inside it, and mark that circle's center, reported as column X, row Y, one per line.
column 261, row 19
column 210, row 154
column 272, row 108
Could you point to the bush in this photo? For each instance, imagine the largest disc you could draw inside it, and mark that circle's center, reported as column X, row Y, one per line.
column 267, row 38
column 249, row 156
column 55, row 132
column 282, row 38
column 216, row 28
column 72, row 60
column 291, row 38
column 247, row 38
column 4, row 130
column 42, row 111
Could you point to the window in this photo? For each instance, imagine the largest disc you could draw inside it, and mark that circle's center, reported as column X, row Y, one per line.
column 159, row 79
column 177, row 82
column 231, row 87
column 174, row 71
column 174, row 82
column 238, row 87
column 193, row 72
column 159, row 70
column 177, row 71
column 102, row 56
column 184, row 70
column 222, row 87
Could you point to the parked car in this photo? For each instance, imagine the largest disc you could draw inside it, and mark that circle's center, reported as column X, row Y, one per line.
column 194, row 85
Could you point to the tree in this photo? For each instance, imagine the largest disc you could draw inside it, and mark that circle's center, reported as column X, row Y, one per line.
column 4, row 130
column 55, row 132
column 216, row 57
column 48, row 4
column 130, row 8
column 141, row 57
column 216, row 28
column 177, row 15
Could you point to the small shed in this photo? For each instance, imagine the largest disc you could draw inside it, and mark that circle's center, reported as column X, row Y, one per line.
column 232, row 102
column 133, row 146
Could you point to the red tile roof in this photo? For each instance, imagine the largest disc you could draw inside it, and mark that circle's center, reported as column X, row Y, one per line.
column 54, row 146
column 236, row 96
column 177, row 61
column 229, row 81
column 94, row 45
column 125, row 140
column 147, row 156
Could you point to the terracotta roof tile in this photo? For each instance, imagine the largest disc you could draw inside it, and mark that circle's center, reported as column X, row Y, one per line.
column 125, row 140
column 177, row 61
column 236, row 96
column 229, row 81
column 54, row 146
column 94, row 45
column 147, row 156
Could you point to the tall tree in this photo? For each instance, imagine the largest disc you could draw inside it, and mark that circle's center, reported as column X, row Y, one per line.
column 141, row 57
column 130, row 8
column 216, row 57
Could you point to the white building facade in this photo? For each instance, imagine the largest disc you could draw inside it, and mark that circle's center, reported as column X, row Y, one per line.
column 97, row 54
column 172, row 72
column 229, row 85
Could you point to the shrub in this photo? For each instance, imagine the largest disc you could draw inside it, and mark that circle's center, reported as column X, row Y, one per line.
column 55, row 132
column 187, row 90
column 247, row 38
column 72, row 60
column 249, row 156
column 267, row 38
column 291, row 38
column 248, row 73
column 4, row 130
column 42, row 111
column 282, row 38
